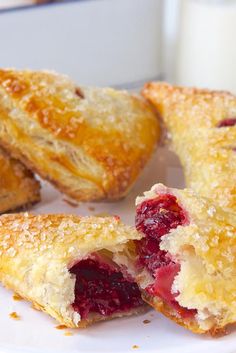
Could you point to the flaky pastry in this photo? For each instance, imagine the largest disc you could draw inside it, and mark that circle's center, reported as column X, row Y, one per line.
column 91, row 143
column 202, row 129
column 18, row 187
column 65, row 265
column 186, row 262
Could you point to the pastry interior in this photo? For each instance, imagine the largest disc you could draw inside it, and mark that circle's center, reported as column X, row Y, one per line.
column 186, row 260
column 103, row 289
column 155, row 218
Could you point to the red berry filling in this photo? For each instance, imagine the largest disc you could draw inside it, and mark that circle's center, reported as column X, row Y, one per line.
column 100, row 288
column 227, row 122
column 155, row 218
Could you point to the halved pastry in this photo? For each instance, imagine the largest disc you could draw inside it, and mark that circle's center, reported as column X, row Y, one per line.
column 18, row 187
column 202, row 129
column 186, row 262
column 91, row 143
column 65, row 265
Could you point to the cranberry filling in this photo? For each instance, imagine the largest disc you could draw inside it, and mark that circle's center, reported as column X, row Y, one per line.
column 227, row 122
column 100, row 288
column 155, row 218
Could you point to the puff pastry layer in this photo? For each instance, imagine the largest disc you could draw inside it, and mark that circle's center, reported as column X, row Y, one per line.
column 202, row 130
column 90, row 142
column 66, row 266
column 186, row 263
column 18, row 187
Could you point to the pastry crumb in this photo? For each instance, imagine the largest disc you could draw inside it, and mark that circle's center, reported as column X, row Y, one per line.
column 17, row 297
column 146, row 321
column 60, row 327
column 71, row 203
column 68, row 334
column 135, row 346
column 14, row 316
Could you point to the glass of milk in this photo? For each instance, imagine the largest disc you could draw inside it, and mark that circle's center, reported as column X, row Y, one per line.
column 206, row 53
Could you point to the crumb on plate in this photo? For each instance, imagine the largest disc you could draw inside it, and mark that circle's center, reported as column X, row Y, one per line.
column 17, row 297
column 146, row 321
column 14, row 316
column 68, row 334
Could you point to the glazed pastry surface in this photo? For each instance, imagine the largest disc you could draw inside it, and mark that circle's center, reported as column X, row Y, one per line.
column 18, row 188
column 91, row 143
column 39, row 255
column 190, row 273
column 201, row 125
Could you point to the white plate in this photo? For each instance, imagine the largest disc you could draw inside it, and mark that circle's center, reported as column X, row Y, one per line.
column 35, row 332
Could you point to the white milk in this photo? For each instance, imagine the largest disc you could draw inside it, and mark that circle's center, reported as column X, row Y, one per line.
column 206, row 54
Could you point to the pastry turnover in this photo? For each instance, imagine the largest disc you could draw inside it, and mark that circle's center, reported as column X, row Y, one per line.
column 65, row 265
column 90, row 142
column 18, row 187
column 202, row 129
column 186, row 262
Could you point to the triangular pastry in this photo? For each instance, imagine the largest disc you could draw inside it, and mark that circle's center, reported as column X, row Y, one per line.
column 201, row 125
column 91, row 143
column 18, row 188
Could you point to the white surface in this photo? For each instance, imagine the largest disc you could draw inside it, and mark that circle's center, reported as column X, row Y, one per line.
column 206, row 47
column 36, row 332
column 96, row 42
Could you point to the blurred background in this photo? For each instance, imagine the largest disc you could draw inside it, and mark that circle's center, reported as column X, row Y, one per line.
column 123, row 43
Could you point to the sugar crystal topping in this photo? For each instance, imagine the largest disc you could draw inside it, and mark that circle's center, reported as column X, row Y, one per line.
column 207, row 151
column 44, row 233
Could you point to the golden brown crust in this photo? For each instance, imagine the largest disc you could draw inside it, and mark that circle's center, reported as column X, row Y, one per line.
column 162, row 307
column 91, row 143
column 205, row 248
column 18, row 187
column 207, row 152
column 98, row 318
column 37, row 251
